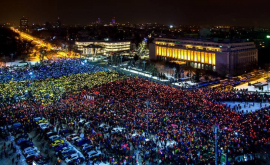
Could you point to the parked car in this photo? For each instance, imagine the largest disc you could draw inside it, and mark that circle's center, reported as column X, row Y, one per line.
column 118, row 130
column 54, row 137
column 87, row 124
column 70, row 137
column 57, row 142
column 86, row 146
column 74, row 139
column 49, row 134
column 104, row 127
column 71, row 158
column 32, row 158
column 93, row 154
column 64, row 150
column 83, row 141
column 67, row 154
column 41, row 161
column 31, row 153
column 41, row 121
column 60, row 147
column 79, row 160
column 29, row 149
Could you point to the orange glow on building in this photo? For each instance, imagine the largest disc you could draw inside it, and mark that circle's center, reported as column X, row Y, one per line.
column 186, row 55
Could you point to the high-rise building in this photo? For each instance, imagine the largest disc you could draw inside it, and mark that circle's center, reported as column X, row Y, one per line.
column 113, row 21
column 23, row 24
column 99, row 21
column 58, row 23
column 216, row 56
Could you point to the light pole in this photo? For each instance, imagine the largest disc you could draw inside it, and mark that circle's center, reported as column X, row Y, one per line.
column 215, row 130
column 144, row 64
column 121, row 59
column 147, row 104
column 174, row 69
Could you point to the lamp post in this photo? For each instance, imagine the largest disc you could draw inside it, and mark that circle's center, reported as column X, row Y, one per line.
column 174, row 69
column 215, row 130
column 144, row 64
column 121, row 59
column 147, row 104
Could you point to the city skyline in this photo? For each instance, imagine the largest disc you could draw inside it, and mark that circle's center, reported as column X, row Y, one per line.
column 210, row 12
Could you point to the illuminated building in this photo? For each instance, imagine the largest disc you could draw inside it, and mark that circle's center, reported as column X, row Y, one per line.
column 102, row 47
column 23, row 24
column 204, row 54
column 58, row 23
column 113, row 21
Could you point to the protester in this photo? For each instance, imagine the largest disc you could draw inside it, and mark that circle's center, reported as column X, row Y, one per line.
column 180, row 122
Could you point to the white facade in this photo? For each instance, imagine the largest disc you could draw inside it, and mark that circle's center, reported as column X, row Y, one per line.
column 103, row 47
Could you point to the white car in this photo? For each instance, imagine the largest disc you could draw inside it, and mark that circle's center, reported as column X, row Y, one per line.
column 75, row 138
column 29, row 149
column 118, row 130
column 82, row 121
column 43, row 126
column 104, row 127
column 54, row 137
column 87, row 124
column 136, row 134
column 71, row 157
column 92, row 154
column 31, row 153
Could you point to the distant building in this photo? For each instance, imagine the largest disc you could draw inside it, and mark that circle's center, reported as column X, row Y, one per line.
column 113, row 21
column 99, row 21
column 23, row 24
column 58, row 23
column 220, row 57
column 102, row 47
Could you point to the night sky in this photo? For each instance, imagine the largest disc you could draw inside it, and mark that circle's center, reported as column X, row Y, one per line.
column 197, row 12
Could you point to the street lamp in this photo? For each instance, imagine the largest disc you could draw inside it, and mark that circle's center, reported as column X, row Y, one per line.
column 121, row 59
column 174, row 69
column 215, row 130
column 147, row 104
column 144, row 64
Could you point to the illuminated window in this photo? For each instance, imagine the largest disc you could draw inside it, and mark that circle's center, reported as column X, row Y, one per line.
column 202, row 57
column 213, row 58
column 188, row 55
column 195, row 56
column 182, row 54
column 199, row 56
column 185, row 53
column 206, row 58
column 191, row 55
column 178, row 54
column 210, row 58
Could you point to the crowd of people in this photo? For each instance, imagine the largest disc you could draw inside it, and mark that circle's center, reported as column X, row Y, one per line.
column 178, row 122
column 52, row 89
column 48, row 69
